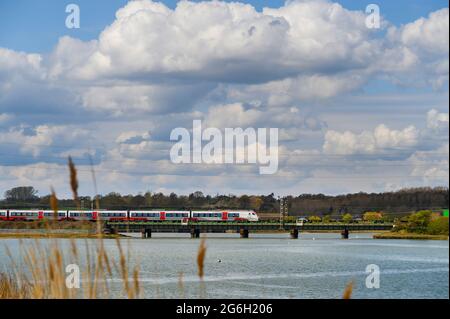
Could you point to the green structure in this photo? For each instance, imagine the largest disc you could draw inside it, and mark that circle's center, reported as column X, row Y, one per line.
column 445, row 213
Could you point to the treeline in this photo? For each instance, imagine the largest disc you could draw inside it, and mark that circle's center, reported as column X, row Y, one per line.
column 402, row 201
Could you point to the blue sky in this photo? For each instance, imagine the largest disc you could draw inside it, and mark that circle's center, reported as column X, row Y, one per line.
column 357, row 109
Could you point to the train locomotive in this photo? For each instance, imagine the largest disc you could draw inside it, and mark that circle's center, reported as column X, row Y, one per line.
column 129, row 215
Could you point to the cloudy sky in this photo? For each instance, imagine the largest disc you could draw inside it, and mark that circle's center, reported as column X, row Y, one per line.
column 358, row 109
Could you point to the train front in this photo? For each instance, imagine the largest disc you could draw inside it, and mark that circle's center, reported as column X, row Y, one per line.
column 252, row 216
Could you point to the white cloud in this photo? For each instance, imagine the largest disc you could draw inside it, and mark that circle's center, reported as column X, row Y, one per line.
column 225, row 42
column 42, row 139
column 382, row 138
column 4, row 118
column 426, row 35
column 436, row 120
column 131, row 99
column 431, row 165
column 19, row 62
column 420, row 50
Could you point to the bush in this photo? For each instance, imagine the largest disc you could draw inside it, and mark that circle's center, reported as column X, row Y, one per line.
column 438, row 226
column 347, row 218
column 418, row 222
column 372, row 216
column 315, row 219
column 290, row 219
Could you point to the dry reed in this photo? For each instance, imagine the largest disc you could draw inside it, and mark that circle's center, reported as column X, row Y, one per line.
column 201, row 258
column 42, row 273
column 73, row 181
column 348, row 291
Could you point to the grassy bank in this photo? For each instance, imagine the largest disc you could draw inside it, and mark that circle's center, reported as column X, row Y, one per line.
column 71, row 235
column 398, row 235
column 75, row 225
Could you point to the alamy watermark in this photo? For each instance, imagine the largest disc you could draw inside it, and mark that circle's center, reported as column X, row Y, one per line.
column 373, row 278
column 233, row 146
column 73, row 19
column 73, row 277
column 373, row 16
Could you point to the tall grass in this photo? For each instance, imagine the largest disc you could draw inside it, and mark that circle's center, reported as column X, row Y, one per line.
column 42, row 271
column 348, row 291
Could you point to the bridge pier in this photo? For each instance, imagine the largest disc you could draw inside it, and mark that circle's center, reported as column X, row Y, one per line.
column 294, row 233
column 195, row 233
column 243, row 232
column 345, row 233
column 146, row 233
column 113, row 231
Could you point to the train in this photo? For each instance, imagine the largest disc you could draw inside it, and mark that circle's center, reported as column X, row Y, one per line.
column 129, row 215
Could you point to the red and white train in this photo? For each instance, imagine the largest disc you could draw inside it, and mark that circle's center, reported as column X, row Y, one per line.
column 129, row 215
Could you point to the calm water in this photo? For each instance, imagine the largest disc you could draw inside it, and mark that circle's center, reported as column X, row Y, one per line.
column 274, row 266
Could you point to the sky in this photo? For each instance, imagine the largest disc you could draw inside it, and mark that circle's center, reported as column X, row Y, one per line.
column 357, row 108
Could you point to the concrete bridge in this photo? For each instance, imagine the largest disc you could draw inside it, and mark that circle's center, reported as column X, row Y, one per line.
column 243, row 228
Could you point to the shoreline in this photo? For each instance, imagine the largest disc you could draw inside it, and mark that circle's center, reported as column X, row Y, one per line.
column 86, row 234
column 83, row 234
column 37, row 235
column 413, row 236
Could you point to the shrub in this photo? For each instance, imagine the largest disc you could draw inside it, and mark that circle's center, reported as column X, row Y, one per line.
column 315, row 219
column 438, row 226
column 347, row 218
column 418, row 222
column 372, row 216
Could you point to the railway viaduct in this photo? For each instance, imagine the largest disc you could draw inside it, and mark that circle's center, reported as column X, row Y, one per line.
column 243, row 228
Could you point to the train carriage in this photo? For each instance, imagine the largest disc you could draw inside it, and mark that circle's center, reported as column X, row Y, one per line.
column 224, row 216
column 110, row 215
column 81, row 215
column 158, row 215
column 24, row 215
column 50, row 214
column 3, row 215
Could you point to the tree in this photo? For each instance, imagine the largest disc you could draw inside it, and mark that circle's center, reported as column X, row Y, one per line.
column 372, row 216
column 255, row 202
column 418, row 222
column 438, row 226
column 315, row 219
column 347, row 218
column 244, row 202
column 21, row 194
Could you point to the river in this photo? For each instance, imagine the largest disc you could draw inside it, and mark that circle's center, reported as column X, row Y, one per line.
column 274, row 266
